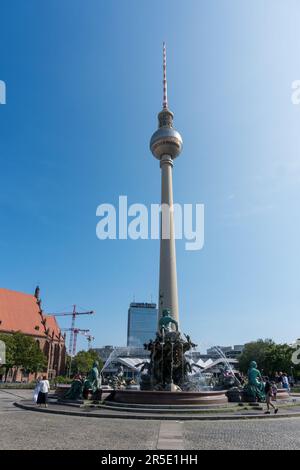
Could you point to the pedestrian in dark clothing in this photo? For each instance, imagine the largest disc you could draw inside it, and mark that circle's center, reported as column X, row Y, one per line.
column 269, row 395
column 44, row 388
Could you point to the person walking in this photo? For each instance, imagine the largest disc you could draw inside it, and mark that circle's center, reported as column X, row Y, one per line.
column 269, row 394
column 280, row 379
column 43, row 392
column 285, row 382
column 37, row 389
column 274, row 390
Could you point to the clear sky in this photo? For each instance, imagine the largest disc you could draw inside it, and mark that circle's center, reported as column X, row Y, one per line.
column 84, row 86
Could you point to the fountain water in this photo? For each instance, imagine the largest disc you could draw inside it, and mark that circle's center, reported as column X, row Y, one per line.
column 108, row 361
column 118, row 379
column 228, row 365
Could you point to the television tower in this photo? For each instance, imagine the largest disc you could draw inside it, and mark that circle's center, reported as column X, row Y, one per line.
column 166, row 145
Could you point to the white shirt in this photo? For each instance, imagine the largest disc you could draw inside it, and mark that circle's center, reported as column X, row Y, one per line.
column 44, row 386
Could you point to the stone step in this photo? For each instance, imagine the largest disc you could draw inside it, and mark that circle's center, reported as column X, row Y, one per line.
column 155, row 409
column 167, row 407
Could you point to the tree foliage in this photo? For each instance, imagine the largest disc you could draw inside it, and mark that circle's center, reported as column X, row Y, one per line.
column 83, row 361
column 254, row 351
column 9, row 348
column 23, row 352
column 270, row 357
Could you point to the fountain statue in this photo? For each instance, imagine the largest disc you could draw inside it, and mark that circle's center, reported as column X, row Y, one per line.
column 83, row 388
column 75, row 392
column 168, row 367
column 254, row 390
column 166, row 320
column 227, row 379
column 92, row 383
column 118, row 381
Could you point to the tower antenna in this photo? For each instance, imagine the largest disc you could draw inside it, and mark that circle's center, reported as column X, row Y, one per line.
column 165, row 85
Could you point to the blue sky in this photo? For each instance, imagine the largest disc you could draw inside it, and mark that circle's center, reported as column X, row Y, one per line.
column 83, row 90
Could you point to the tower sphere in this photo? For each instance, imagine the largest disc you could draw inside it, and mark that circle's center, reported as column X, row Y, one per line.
column 166, row 141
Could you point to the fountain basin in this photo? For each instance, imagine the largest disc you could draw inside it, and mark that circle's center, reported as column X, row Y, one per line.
column 153, row 397
column 62, row 389
column 282, row 394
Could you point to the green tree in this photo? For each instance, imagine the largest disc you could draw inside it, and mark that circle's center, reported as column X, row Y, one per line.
column 270, row 357
column 23, row 352
column 254, row 351
column 9, row 352
column 83, row 361
column 279, row 358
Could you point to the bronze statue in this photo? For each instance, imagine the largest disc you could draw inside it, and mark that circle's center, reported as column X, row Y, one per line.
column 254, row 390
column 166, row 320
column 92, row 381
column 75, row 392
column 118, row 381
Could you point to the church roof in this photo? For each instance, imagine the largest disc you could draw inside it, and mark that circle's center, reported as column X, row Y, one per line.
column 20, row 312
column 52, row 324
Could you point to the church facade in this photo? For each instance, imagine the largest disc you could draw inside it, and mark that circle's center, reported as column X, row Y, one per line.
column 23, row 312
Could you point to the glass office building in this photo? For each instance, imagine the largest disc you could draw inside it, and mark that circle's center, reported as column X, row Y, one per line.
column 142, row 323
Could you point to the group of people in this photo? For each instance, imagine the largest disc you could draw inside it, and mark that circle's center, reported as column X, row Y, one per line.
column 40, row 394
column 283, row 381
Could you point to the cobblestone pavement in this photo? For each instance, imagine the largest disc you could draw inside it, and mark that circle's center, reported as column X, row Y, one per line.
column 251, row 434
column 30, row 430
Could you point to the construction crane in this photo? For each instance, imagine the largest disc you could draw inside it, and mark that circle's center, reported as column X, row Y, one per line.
column 89, row 338
column 85, row 333
column 74, row 314
column 75, row 332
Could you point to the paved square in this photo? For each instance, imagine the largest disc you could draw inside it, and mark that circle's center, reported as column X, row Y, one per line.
column 31, row 430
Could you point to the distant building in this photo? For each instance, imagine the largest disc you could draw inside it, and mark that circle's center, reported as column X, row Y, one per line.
column 213, row 352
column 142, row 323
column 130, row 358
column 238, row 349
column 216, row 366
column 104, row 352
column 228, row 351
column 23, row 312
column 194, row 355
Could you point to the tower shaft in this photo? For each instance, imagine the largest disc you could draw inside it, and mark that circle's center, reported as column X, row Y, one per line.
column 166, row 145
column 168, row 296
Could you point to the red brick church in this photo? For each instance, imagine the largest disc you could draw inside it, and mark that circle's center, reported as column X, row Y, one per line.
column 23, row 312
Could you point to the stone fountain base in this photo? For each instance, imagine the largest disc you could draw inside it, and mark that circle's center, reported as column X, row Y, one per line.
column 153, row 397
column 282, row 394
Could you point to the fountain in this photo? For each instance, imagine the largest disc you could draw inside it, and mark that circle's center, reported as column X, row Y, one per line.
column 165, row 379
